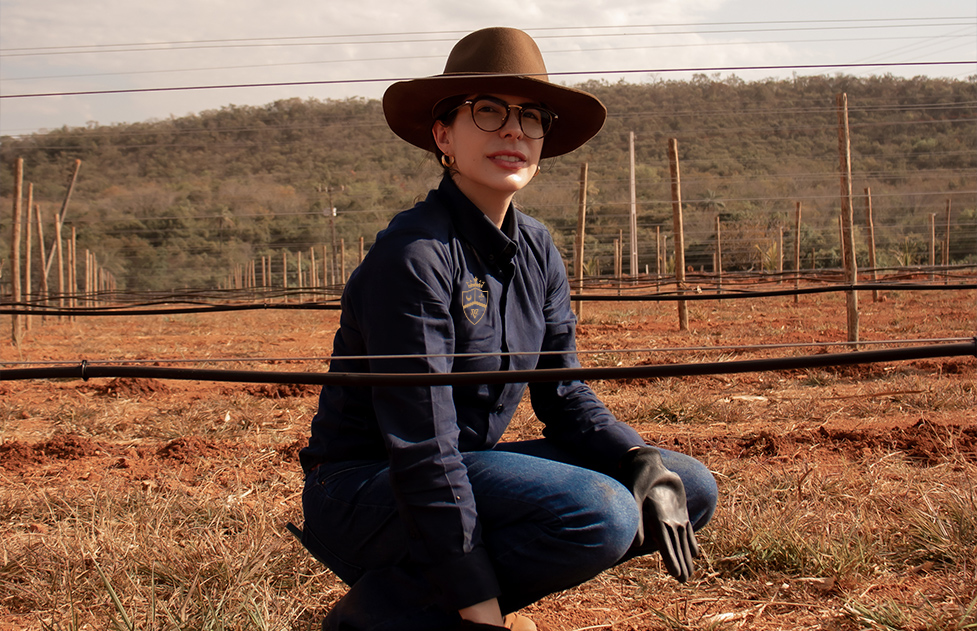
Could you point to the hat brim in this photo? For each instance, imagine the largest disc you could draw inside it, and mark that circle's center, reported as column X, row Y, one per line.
column 408, row 107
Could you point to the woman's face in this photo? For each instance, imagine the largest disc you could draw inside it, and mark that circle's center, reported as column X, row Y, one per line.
column 500, row 162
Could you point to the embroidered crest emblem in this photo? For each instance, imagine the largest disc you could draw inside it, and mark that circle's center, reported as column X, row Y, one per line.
column 474, row 300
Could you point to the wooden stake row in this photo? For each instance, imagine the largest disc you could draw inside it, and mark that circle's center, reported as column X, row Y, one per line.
column 306, row 275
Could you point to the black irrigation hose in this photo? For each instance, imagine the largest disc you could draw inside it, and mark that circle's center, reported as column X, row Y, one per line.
column 36, row 310
column 671, row 296
column 85, row 371
column 728, row 294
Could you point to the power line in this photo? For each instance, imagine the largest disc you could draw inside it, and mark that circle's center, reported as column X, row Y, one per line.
column 283, row 84
column 427, row 37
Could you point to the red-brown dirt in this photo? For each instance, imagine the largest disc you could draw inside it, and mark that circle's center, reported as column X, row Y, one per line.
column 70, row 435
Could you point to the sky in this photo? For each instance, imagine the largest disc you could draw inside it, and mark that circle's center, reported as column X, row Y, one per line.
column 326, row 49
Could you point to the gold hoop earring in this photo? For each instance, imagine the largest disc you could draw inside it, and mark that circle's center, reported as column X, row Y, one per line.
column 447, row 161
column 538, row 169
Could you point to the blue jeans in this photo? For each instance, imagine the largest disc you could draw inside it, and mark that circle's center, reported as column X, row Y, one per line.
column 548, row 524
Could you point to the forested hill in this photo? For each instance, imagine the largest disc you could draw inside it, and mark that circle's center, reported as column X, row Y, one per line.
column 178, row 202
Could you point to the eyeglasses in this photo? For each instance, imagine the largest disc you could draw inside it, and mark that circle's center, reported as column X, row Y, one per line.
column 491, row 114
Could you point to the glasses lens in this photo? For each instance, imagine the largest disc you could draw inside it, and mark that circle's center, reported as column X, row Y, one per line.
column 489, row 114
column 535, row 121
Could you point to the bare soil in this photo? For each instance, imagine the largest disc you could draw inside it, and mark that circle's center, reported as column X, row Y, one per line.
column 217, row 440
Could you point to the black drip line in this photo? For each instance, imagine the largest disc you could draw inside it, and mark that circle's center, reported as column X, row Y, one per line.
column 24, row 308
column 86, row 371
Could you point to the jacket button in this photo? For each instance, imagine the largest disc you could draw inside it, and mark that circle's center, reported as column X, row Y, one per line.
column 499, row 408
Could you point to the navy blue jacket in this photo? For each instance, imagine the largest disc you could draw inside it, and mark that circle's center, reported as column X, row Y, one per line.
column 442, row 281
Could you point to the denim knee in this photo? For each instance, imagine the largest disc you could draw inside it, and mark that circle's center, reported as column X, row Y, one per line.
column 614, row 515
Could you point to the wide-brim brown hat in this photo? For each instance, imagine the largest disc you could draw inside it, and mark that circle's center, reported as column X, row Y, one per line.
column 500, row 61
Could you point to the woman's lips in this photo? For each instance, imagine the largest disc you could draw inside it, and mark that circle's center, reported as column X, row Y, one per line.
column 508, row 160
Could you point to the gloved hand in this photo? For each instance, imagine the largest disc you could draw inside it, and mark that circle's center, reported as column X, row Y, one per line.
column 664, row 517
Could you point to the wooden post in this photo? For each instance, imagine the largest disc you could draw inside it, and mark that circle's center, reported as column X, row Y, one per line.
column 870, row 223
column 683, row 310
column 360, row 259
column 633, row 269
column 16, row 326
column 851, row 268
column 797, row 251
column 342, row 260
column 578, row 249
column 719, row 256
column 932, row 246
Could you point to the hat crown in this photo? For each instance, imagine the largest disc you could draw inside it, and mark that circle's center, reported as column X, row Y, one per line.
column 495, row 60
column 497, row 50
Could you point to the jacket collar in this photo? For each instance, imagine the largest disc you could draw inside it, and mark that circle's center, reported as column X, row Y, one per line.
column 492, row 244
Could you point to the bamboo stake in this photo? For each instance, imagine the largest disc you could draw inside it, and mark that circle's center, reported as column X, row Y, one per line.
column 946, row 245
column 28, row 237
column 58, row 250
column 314, row 273
column 633, row 269
column 797, row 251
column 619, row 261
column 299, row 265
column 617, row 264
column 40, row 247
column 285, row 274
column 87, row 283
column 780, row 255
column 719, row 256
column 851, row 268
column 683, row 309
column 64, row 208
column 74, row 298
column 326, row 273
column 870, row 222
column 16, row 332
column 578, row 249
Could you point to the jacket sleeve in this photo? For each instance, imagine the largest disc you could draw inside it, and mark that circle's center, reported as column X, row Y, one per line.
column 572, row 413
column 406, row 313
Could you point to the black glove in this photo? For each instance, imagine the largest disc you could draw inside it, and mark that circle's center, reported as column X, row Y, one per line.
column 664, row 517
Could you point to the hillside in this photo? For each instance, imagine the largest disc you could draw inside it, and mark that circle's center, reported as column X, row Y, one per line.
column 179, row 202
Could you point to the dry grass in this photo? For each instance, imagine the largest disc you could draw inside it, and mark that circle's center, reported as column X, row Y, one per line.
column 167, row 510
